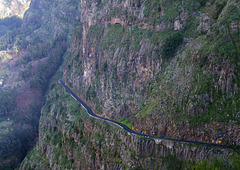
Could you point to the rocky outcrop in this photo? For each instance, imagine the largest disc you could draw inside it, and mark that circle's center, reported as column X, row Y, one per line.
column 67, row 143
column 10, row 8
column 122, row 77
column 155, row 64
column 51, row 20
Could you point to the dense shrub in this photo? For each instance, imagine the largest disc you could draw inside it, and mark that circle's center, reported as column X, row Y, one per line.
column 170, row 45
column 9, row 23
column 46, row 69
column 6, row 102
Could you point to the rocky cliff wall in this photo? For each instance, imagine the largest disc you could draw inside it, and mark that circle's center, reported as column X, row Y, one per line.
column 123, row 69
column 158, row 66
column 69, row 138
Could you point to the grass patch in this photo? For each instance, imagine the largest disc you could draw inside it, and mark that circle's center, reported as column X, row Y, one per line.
column 5, row 124
column 146, row 109
column 124, row 121
column 112, row 35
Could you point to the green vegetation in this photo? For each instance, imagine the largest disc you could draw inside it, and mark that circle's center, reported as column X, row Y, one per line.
column 169, row 46
column 35, row 52
column 15, row 131
column 46, row 70
column 224, row 42
column 172, row 163
column 172, row 9
column 112, row 35
column 13, row 143
column 94, row 33
column 91, row 94
column 105, row 66
column 166, row 42
column 11, row 34
column 60, row 140
column 137, row 35
column 40, row 60
column 9, row 24
column 6, row 102
column 146, row 109
column 216, row 111
column 218, row 163
column 78, row 31
column 190, row 88
column 124, row 121
column 5, row 124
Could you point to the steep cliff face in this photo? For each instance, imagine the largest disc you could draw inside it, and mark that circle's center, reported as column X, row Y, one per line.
column 10, row 8
column 69, row 138
column 168, row 68
column 157, row 65
column 52, row 19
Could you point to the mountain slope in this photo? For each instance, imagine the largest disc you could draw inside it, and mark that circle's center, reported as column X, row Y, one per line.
column 167, row 68
column 30, row 55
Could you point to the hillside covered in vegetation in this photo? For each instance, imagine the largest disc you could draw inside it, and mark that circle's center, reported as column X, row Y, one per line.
column 161, row 67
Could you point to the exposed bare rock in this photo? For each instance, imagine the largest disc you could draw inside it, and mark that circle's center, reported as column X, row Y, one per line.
column 10, row 8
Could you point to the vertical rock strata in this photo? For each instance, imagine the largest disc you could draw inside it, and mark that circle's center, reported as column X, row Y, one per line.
column 157, row 65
